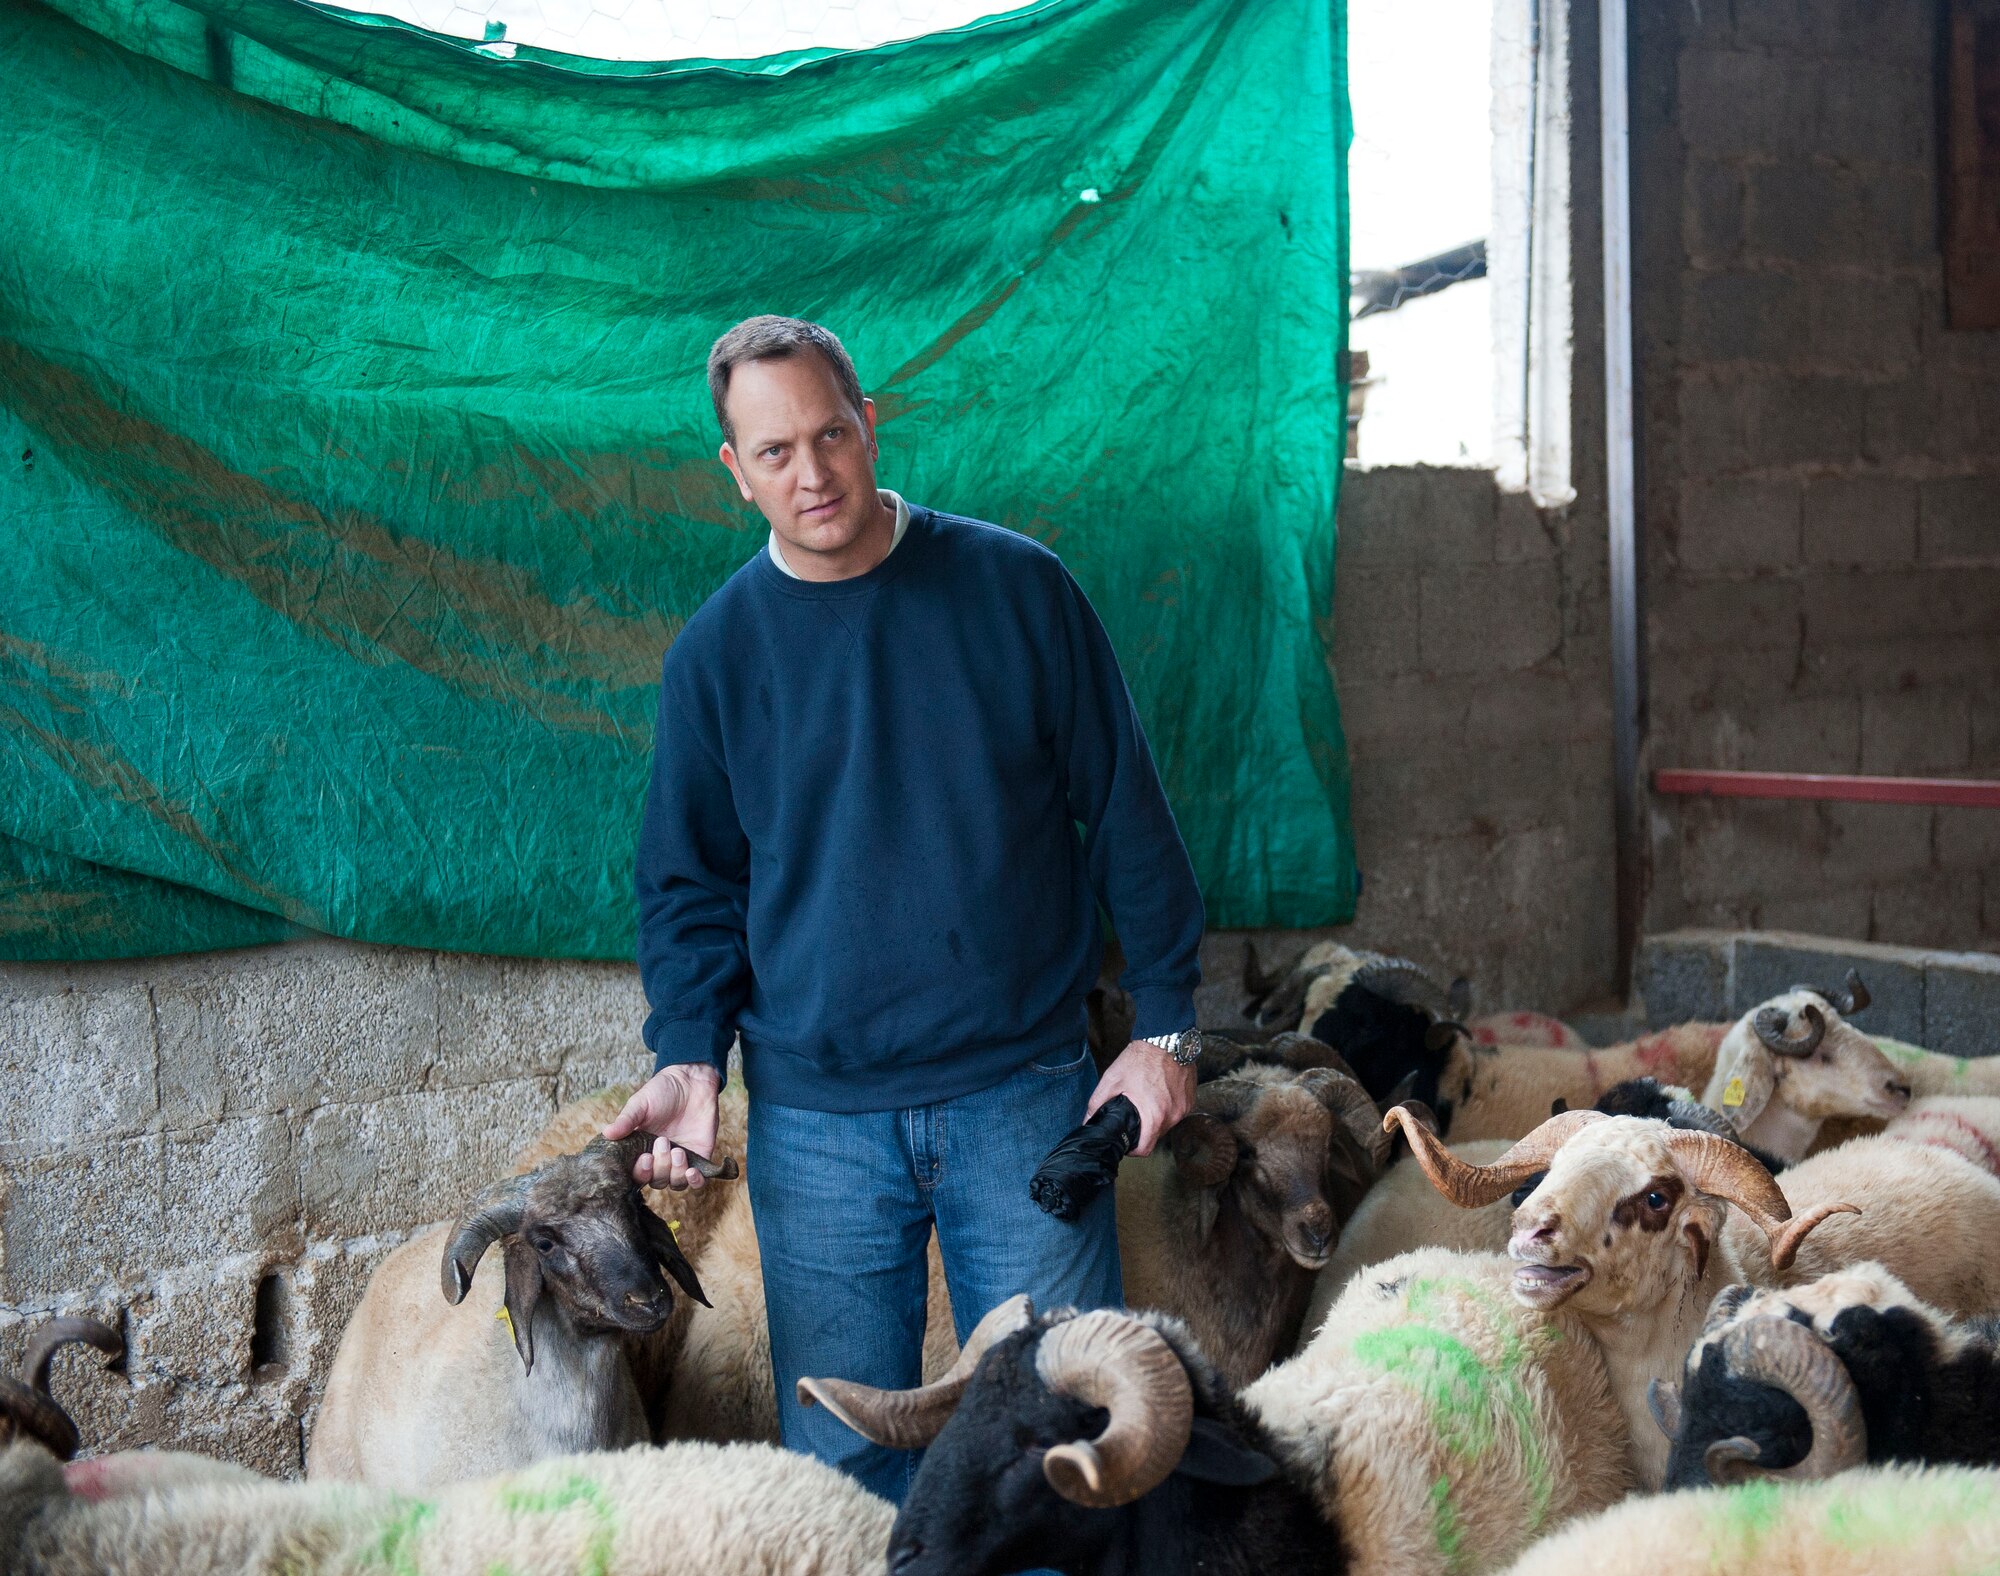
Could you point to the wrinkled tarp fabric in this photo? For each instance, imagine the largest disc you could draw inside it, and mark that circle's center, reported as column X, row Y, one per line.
column 358, row 466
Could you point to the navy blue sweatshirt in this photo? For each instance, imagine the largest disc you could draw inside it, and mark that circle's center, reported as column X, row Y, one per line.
column 861, row 844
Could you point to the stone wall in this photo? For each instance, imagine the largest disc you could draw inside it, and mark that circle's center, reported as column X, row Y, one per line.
column 1823, row 477
column 217, row 1151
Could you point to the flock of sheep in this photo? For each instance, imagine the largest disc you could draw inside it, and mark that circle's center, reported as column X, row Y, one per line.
column 1408, row 1295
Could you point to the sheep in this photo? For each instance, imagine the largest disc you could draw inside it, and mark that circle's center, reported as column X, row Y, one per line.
column 1625, row 1230
column 1452, row 1428
column 1403, row 1211
column 1943, row 1520
column 1778, row 1073
column 736, row 1511
column 1847, row 1369
column 1930, row 1214
column 1228, row 1223
column 537, row 1360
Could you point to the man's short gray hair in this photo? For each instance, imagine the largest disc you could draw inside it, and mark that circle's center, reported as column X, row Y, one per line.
column 772, row 338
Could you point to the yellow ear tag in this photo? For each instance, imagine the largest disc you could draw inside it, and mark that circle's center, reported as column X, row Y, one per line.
column 675, row 1227
column 1732, row 1092
column 507, row 1318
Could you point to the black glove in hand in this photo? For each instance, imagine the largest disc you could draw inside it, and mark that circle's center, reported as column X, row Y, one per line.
column 1086, row 1163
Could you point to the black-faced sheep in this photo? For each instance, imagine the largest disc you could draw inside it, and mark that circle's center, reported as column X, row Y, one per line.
column 740, row 1511
column 1624, row 1231
column 1849, row 1368
column 521, row 1354
column 1448, row 1429
column 1941, row 1521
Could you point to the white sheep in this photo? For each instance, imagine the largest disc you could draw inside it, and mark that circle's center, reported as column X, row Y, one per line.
column 1938, row 1521
column 1624, row 1232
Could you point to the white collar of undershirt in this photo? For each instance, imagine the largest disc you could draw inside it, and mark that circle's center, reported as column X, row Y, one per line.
column 890, row 500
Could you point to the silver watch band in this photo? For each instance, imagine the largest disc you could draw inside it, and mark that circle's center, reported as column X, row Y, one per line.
column 1184, row 1046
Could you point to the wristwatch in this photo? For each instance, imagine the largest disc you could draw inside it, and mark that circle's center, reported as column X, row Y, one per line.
column 1184, row 1047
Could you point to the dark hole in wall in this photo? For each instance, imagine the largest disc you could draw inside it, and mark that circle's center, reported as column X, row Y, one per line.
column 271, row 1329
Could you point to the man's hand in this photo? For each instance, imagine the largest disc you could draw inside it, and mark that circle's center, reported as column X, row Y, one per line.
column 1159, row 1088
column 677, row 1105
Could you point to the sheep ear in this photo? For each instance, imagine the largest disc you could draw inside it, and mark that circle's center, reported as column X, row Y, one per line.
column 1214, row 1455
column 1742, row 1085
column 1204, row 1149
column 667, row 1249
column 524, row 1291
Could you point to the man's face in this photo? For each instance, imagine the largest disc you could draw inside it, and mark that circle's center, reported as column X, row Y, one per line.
column 806, row 457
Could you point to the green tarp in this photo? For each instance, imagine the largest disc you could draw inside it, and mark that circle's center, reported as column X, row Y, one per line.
column 356, row 464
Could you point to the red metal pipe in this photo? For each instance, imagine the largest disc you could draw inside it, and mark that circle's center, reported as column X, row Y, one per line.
column 1960, row 791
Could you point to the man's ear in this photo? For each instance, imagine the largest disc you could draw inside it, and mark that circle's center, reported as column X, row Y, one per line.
column 1214, row 1455
column 868, row 422
column 727, row 454
column 524, row 1290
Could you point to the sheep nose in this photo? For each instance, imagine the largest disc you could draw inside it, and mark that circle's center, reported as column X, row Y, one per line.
column 1899, row 1089
column 1313, row 1238
column 1541, row 1231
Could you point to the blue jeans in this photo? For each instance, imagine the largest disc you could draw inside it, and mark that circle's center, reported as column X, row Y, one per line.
column 844, row 1205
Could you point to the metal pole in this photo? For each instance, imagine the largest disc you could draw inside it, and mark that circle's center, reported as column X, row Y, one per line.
column 1627, row 671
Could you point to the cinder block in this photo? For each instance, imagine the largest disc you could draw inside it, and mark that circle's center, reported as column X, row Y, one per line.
column 1712, row 218
column 1771, row 963
column 76, row 1063
column 1959, row 521
column 1737, row 102
column 1716, row 410
column 74, row 1221
column 1758, row 733
column 1962, row 1004
column 1375, row 624
column 231, row 1188
column 1732, row 617
column 1415, row 516
column 1683, row 977
column 327, row 1285
column 1742, row 316
column 1927, row 415
column 292, row 1026
column 1880, row 112
column 1744, row 852
column 1938, row 909
column 1869, row 32
column 523, row 1017
column 1735, row 525
column 1966, row 839
column 1496, row 618
column 1842, row 214
column 409, row 1159
column 1841, row 911
column 1522, row 531
column 197, row 1327
column 1863, row 324
column 1986, row 727
column 1860, row 520
column 1796, row 420
column 1916, row 732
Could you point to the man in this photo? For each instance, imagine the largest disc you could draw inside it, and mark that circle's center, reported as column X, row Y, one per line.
column 860, row 850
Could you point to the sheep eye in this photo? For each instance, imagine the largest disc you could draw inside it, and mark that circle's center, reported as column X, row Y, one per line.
column 1656, row 1200
column 545, row 1244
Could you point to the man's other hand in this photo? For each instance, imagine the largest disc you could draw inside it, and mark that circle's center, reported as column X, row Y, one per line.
column 677, row 1105
column 1159, row 1088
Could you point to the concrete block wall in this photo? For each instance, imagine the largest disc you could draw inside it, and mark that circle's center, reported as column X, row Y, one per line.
column 1823, row 470
column 1471, row 646
column 215, row 1152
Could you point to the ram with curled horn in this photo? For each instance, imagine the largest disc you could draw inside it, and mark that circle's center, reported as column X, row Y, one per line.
column 1618, row 1221
column 1816, row 1379
column 531, row 1351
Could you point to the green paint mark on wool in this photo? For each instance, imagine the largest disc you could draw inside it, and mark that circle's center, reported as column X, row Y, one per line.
column 393, row 1549
column 1467, row 1397
column 1902, row 1054
column 566, row 1493
column 1879, row 1515
column 1744, row 1516
column 1446, row 1527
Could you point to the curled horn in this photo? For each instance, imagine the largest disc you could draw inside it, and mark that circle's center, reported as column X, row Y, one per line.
column 1111, row 1360
column 496, row 1213
column 1769, row 1024
column 1849, row 1001
column 911, row 1419
column 1470, row 1186
column 27, row 1408
column 1787, row 1356
column 1727, row 1171
column 1401, row 981
column 630, row 1148
column 1663, row 1400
